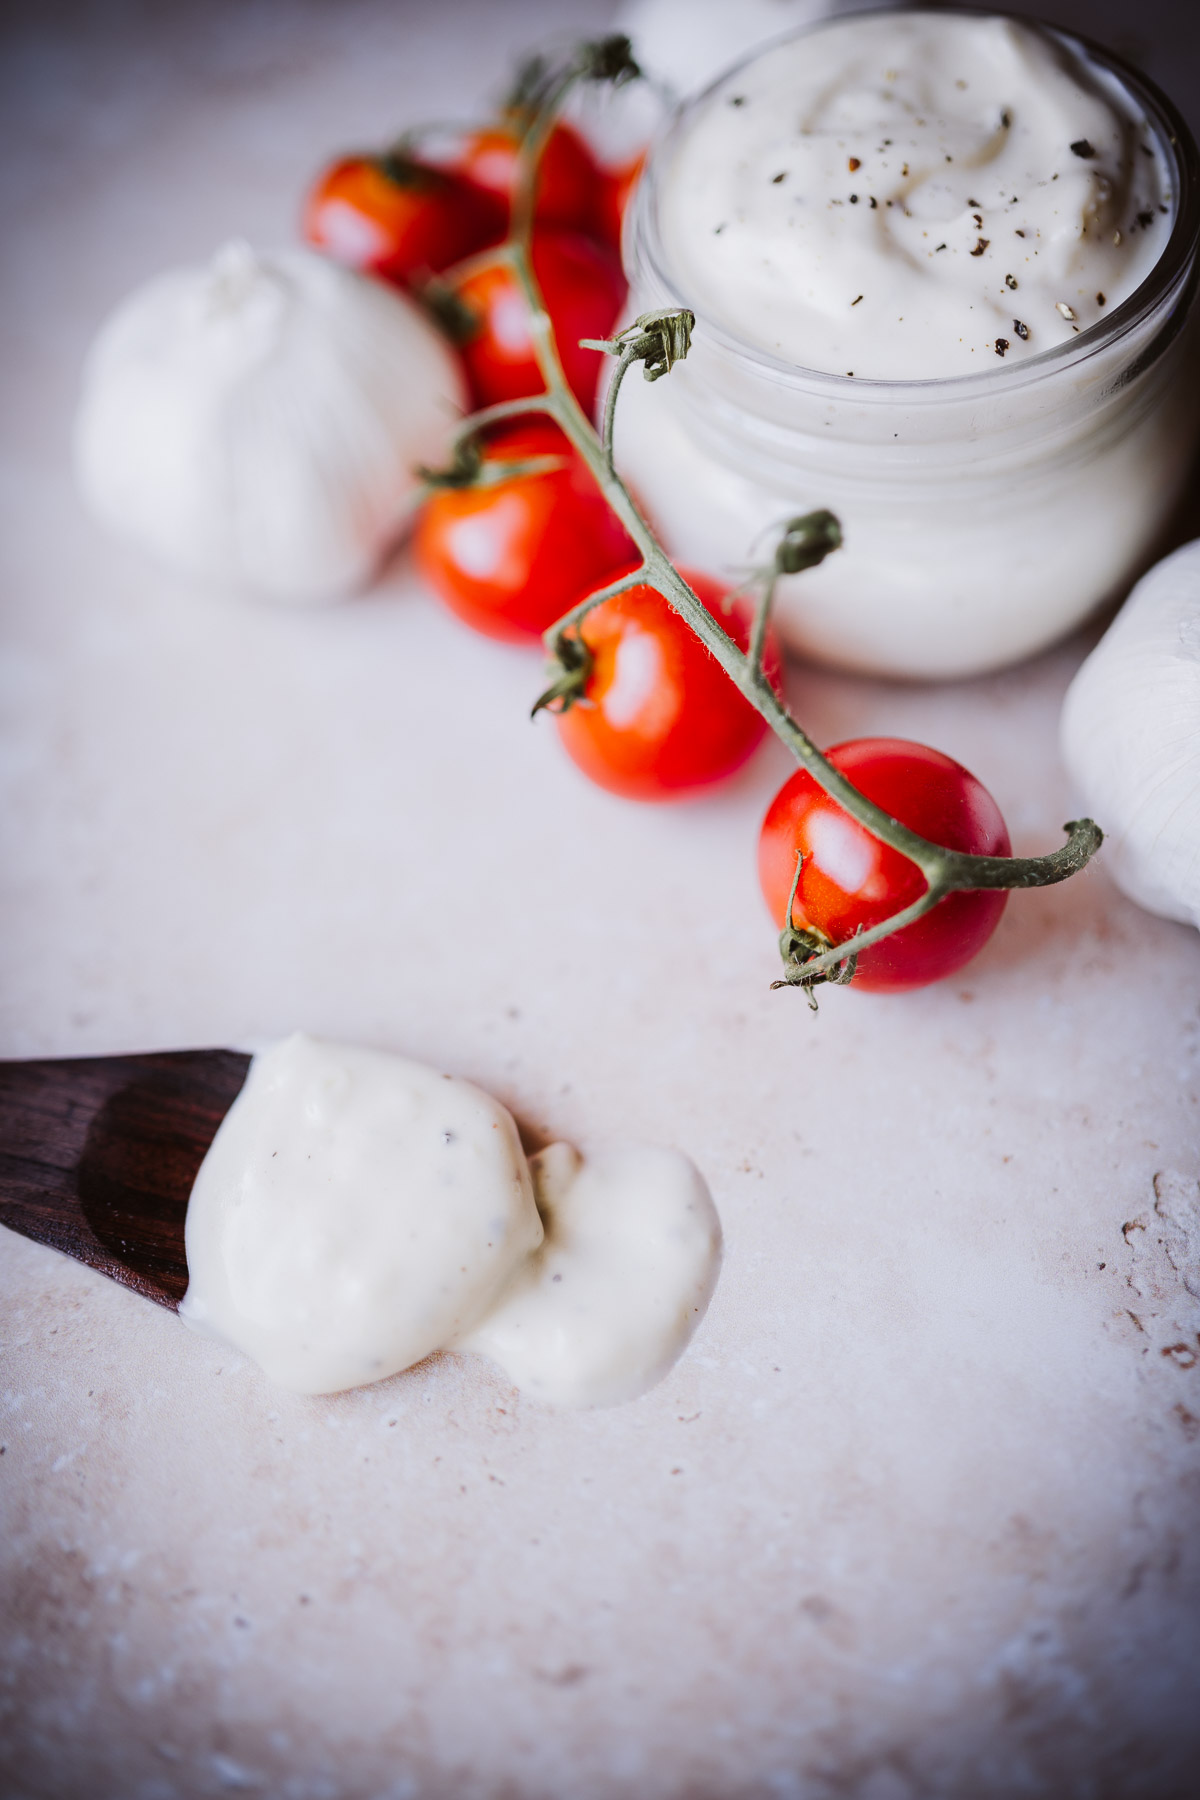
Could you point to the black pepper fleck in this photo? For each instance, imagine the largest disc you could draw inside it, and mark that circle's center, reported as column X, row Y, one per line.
column 1144, row 219
column 1019, row 234
column 1081, row 147
column 854, row 199
column 873, row 203
column 939, row 247
column 1010, row 281
column 1001, row 346
column 981, row 246
column 1021, row 330
column 1100, row 300
column 782, row 176
column 1006, row 118
column 737, row 100
column 855, row 302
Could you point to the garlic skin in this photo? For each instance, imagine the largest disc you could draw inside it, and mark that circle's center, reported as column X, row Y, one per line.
column 687, row 43
column 1131, row 739
column 258, row 422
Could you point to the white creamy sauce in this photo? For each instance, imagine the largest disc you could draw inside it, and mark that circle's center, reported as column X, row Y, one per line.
column 909, row 196
column 623, row 1276
column 357, row 1211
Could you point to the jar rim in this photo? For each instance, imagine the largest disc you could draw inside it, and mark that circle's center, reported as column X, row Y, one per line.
column 1177, row 261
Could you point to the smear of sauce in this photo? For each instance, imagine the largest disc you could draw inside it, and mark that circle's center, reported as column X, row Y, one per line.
column 358, row 1211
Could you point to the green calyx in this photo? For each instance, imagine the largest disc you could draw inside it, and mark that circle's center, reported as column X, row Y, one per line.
column 404, row 170
column 540, row 84
column 571, row 667
column 806, row 542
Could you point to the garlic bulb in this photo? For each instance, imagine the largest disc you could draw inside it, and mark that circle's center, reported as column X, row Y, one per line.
column 258, row 422
column 1131, row 739
column 688, row 43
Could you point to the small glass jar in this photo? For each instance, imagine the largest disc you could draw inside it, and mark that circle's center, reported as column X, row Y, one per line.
column 984, row 516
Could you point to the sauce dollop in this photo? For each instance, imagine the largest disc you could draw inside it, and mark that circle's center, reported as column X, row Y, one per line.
column 357, row 1211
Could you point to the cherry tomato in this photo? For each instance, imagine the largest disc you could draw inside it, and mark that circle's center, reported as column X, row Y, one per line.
column 570, row 183
column 615, row 195
column 583, row 289
column 397, row 217
column 850, row 879
column 510, row 557
column 659, row 715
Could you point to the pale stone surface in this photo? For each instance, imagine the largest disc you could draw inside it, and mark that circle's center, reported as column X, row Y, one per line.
column 916, row 1515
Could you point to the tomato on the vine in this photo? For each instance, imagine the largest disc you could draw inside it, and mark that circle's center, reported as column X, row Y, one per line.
column 569, row 185
column 850, row 880
column 658, row 715
column 510, row 556
column 583, row 289
column 398, row 217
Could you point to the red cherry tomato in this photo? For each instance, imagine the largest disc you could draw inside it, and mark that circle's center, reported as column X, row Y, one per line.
column 850, row 879
column 658, row 714
column 397, row 217
column 583, row 289
column 510, row 557
column 570, row 183
column 615, row 195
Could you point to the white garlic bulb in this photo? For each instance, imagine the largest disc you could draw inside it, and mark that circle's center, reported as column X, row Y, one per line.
column 1131, row 739
column 688, row 43
column 258, row 422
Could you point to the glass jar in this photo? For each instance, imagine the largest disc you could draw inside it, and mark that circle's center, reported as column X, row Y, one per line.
column 984, row 516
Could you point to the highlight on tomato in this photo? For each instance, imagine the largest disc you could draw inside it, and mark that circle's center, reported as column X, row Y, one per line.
column 851, row 881
column 570, row 183
column 509, row 556
column 658, row 717
column 583, row 288
column 395, row 216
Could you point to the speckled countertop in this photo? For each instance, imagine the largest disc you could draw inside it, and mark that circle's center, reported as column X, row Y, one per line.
column 916, row 1516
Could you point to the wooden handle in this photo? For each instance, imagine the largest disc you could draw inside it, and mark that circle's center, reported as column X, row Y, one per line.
column 98, row 1156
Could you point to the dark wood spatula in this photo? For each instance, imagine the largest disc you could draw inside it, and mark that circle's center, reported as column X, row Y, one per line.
column 98, row 1156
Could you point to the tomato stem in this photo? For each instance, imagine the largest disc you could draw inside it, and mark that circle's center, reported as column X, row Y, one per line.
column 758, row 635
column 658, row 340
column 571, row 656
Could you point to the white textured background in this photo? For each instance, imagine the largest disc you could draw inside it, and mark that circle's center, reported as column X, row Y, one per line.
column 917, row 1516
